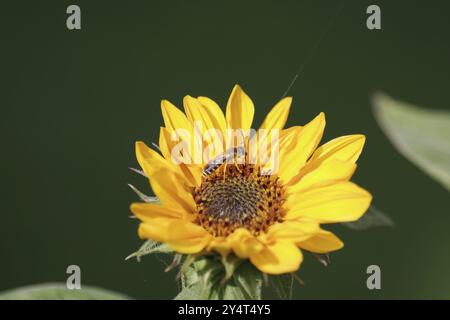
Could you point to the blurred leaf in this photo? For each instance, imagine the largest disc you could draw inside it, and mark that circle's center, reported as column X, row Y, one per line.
column 59, row 291
column 372, row 218
column 421, row 135
column 149, row 247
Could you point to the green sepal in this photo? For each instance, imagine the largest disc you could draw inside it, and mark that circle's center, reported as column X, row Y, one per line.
column 212, row 277
column 150, row 247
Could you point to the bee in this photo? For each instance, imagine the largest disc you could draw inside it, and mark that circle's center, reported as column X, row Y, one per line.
column 227, row 157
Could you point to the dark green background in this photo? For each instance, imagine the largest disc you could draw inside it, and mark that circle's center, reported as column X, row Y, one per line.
column 74, row 102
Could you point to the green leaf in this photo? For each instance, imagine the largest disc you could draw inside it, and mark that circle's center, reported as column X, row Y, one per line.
column 372, row 218
column 59, row 291
column 421, row 135
column 150, row 247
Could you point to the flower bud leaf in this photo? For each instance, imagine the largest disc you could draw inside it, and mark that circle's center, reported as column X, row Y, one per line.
column 212, row 278
column 143, row 196
column 149, row 247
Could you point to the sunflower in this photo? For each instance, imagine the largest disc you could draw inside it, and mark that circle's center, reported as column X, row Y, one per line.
column 237, row 208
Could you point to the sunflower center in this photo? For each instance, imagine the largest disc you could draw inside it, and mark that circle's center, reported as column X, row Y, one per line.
column 238, row 196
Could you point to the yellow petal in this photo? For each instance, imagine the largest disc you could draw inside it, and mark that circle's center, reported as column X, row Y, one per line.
column 195, row 111
column 290, row 130
column 293, row 231
column 147, row 211
column 244, row 243
column 174, row 118
column 280, row 257
column 193, row 173
column 187, row 237
column 167, row 181
column 340, row 202
column 345, row 148
column 277, row 117
column 326, row 173
column 155, row 229
column 322, row 242
column 165, row 143
column 180, row 129
column 221, row 245
column 286, row 138
column 294, row 155
column 206, row 121
column 150, row 160
column 215, row 114
column 172, row 190
column 240, row 110
column 182, row 236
